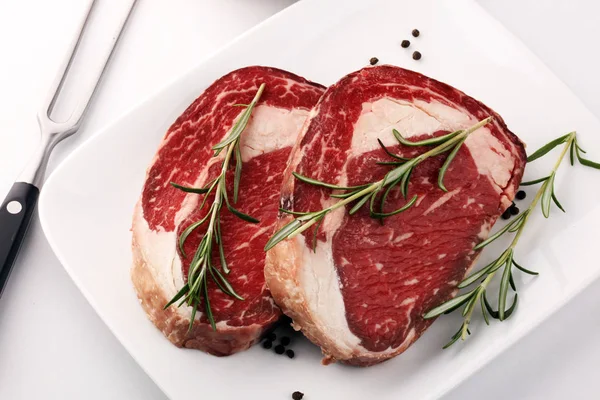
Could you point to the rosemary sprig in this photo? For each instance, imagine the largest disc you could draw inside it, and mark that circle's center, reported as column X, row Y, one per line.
column 399, row 176
column 506, row 260
column 201, row 266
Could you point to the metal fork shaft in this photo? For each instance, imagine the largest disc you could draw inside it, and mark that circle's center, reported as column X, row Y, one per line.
column 17, row 209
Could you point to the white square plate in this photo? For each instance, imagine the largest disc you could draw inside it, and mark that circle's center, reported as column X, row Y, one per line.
column 87, row 204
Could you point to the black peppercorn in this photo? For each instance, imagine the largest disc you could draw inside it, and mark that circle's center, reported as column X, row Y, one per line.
column 267, row 344
column 521, row 195
column 290, row 353
column 416, row 55
column 514, row 210
column 506, row 214
column 374, row 60
column 405, row 44
column 416, row 33
column 297, row 395
column 285, row 341
column 279, row 349
column 271, row 336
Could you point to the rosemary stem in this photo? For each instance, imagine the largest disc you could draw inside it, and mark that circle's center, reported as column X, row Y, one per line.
column 572, row 136
column 390, row 178
column 369, row 189
column 527, row 214
column 539, row 193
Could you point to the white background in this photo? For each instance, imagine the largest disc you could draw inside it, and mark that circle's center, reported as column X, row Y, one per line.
column 53, row 345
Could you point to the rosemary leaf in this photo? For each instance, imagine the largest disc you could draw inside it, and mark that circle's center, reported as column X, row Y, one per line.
column 504, row 282
column 533, row 182
column 478, row 275
column 219, row 284
column 241, row 215
column 238, row 172
column 389, row 153
column 315, row 182
column 184, row 235
column 589, row 163
column 512, row 308
column 193, row 317
column 499, row 233
column 405, row 207
column 446, row 164
column 358, row 205
column 390, row 163
column 344, row 195
column 455, row 337
column 548, row 147
column 548, row 189
column 208, row 308
column 470, row 304
column 384, row 197
column 283, row 233
column 483, row 307
column 283, row 210
column 372, row 198
column 237, row 212
column 512, row 282
column 241, row 123
column 450, row 304
column 426, row 142
column 524, row 269
column 557, row 202
column 501, row 260
column 221, row 250
column 190, row 189
column 224, row 284
column 178, row 296
column 405, row 181
column 521, row 221
column 585, row 161
column 397, row 173
column 316, row 232
column 488, row 307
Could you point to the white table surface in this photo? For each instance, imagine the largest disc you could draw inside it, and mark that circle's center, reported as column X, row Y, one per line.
column 54, row 346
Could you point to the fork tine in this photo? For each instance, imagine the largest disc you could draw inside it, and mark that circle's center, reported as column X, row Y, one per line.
column 74, row 120
column 82, row 107
column 59, row 80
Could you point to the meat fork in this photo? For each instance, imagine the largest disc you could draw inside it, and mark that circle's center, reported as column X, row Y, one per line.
column 17, row 209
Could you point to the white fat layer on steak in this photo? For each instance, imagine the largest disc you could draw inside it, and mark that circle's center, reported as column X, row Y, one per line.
column 380, row 117
column 442, row 200
column 322, row 291
column 269, row 129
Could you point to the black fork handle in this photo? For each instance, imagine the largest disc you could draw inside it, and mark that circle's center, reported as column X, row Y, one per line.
column 15, row 215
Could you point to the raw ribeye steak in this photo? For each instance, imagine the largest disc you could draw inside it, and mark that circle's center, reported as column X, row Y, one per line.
column 362, row 294
column 185, row 157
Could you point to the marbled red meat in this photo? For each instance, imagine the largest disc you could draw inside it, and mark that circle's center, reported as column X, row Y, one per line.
column 362, row 294
column 185, row 156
